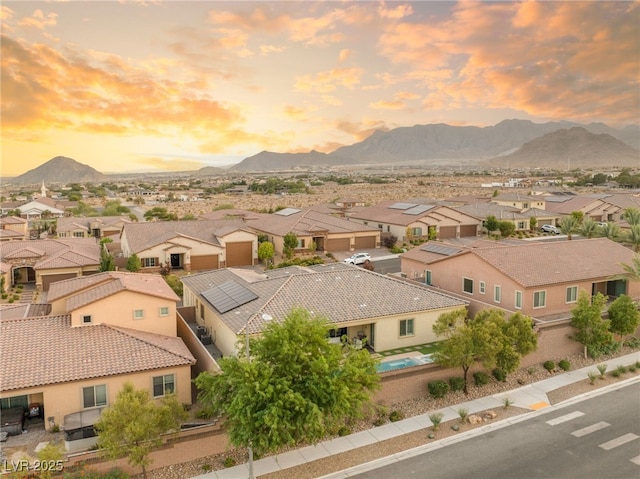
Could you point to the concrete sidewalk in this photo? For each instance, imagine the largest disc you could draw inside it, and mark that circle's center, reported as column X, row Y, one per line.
column 532, row 397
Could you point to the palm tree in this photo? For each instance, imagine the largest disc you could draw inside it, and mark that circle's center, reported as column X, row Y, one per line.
column 609, row 230
column 632, row 215
column 568, row 225
column 634, row 237
column 632, row 270
column 588, row 228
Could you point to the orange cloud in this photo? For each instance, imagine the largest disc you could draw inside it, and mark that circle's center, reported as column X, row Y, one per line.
column 328, row 81
column 388, row 105
column 39, row 20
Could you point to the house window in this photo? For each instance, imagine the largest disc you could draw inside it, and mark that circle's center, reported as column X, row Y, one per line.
column 94, row 396
column 86, row 318
column 78, row 234
column 521, row 225
column 518, row 300
column 138, row 313
column 149, row 262
column 525, row 205
column 379, row 226
column 366, row 222
column 416, row 231
column 300, row 243
column 406, row 327
column 427, row 277
column 572, row 294
column 467, row 285
column 482, row 288
column 163, row 385
column 539, row 299
column 201, row 311
column 388, row 229
column 164, row 311
column 497, row 293
column 15, row 401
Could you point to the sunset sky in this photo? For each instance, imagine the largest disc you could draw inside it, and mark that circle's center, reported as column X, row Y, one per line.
column 178, row 85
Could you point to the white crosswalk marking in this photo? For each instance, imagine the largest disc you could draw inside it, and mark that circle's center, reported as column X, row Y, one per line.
column 636, row 460
column 565, row 418
column 589, row 429
column 618, row 441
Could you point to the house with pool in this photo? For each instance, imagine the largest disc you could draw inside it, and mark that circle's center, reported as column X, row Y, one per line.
column 373, row 310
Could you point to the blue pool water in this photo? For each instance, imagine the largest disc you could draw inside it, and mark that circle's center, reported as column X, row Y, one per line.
column 393, row 364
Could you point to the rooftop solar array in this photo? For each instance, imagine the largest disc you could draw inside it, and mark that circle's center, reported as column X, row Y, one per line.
column 419, row 209
column 440, row 249
column 556, row 199
column 402, row 206
column 228, row 296
column 287, row 211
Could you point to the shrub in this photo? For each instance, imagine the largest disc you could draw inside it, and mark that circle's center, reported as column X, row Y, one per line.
column 592, row 377
column 5, row 295
column 16, row 297
column 379, row 421
column 456, row 383
column 549, row 365
column 633, row 342
column 632, row 368
column 55, row 428
column 603, row 369
column 344, row 431
column 229, row 462
column 463, row 413
column 395, row 415
column 438, row 389
column 389, row 241
column 11, row 300
column 206, row 467
column 506, row 402
column 499, row 374
column 621, row 369
column 531, row 370
column 480, row 378
column 436, row 419
column 564, row 364
column 616, row 373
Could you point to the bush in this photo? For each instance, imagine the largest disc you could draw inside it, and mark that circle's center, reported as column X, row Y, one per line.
column 229, row 462
column 463, row 413
column 564, row 364
column 592, row 377
column 621, row 369
column 456, row 383
column 499, row 374
column 632, row 342
column 480, row 378
column 632, row 368
column 616, row 373
column 395, row 415
column 389, row 241
column 436, row 419
column 379, row 421
column 344, row 431
column 438, row 389
column 549, row 365
column 602, row 368
column 5, row 295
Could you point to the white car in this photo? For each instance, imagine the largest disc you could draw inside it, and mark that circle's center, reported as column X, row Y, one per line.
column 550, row 229
column 358, row 258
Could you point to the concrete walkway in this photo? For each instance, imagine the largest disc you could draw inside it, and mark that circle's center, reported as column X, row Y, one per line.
column 532, row 397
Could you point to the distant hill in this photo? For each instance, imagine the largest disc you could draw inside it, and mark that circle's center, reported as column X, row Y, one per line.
column 210, row 171
column 572, row 148
column 435, row 144
column 60, row 170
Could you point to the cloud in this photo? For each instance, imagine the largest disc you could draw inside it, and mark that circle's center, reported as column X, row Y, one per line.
column 388, row 105
column 345, row 54
column 168, row 164
column 329, row 81
column 39, row 20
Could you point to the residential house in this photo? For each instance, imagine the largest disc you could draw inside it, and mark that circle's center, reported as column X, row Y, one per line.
column 387, row 311
column 103, row 331
column 13, row 228
column 190, row 245
column 91, row 226
column 416, row 219
column 520, row 201
column 598, row 207
column 44, row 262
column 315, row 231
column 521, row 219
column 40, row 208
column 539, row 278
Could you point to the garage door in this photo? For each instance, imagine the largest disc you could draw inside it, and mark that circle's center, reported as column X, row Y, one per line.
column 337, row 244
column 199, row 263
column 52, row 278
column 240, row 253
column 447, row 232
column 468, row 230
column 365, row 242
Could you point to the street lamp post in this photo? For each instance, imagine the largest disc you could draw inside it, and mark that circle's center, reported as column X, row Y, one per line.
column 265, row 317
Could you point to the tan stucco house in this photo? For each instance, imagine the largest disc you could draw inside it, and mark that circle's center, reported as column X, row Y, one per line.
column 102, row 331
column 91, row 227
column 539, row 278
column 389, row 312
column 13, row 228
column 190, row 245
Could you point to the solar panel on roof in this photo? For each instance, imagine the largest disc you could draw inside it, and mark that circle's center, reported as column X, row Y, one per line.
column 416, row 210
column 287, row 211
column 228, row 296
column 440, row 249
column 402, row 206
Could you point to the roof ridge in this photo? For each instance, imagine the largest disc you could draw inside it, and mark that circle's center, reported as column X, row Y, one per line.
column 131, row 333
column 287, row 279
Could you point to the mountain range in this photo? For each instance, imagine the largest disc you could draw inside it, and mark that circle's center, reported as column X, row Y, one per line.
column 509, row 144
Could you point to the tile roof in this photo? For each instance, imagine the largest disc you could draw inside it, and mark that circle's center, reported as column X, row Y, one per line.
column 84, row 222
column 340, row 292
column 23, row 310
column 12, row 220
column 572, row 204
column 141, row 236
column 47, row 350
column 306, row 222
column 54, row 253
column 501, row 212
column 88, row 289
column 539, row 263
column 384, row 213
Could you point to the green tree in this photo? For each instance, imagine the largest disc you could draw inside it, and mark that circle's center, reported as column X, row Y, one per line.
column 506, row 228
column 579, row 216
column 175, row 284
column 632, row 216
column 533, row 223
column 160, row 213
column 591, row 330
column 491, row 223
column 133, row 263
column 133, row 425
column 466, row 343
column 632, row 271
column 568, row 225
column 589, row 228
column 609, row 230
column 624, row 316
column 296, row 387
column 290, row 244
column 106, row 260
column 265, row 252
column 634, row 237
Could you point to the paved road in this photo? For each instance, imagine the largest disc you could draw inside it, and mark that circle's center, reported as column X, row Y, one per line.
column 595, row 438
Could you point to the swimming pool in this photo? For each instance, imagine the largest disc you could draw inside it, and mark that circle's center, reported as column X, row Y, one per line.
column 393, row 364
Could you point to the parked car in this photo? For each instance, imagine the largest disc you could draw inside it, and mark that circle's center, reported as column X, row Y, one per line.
column 602, row 224
column 358, row 258
column 550, row 229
